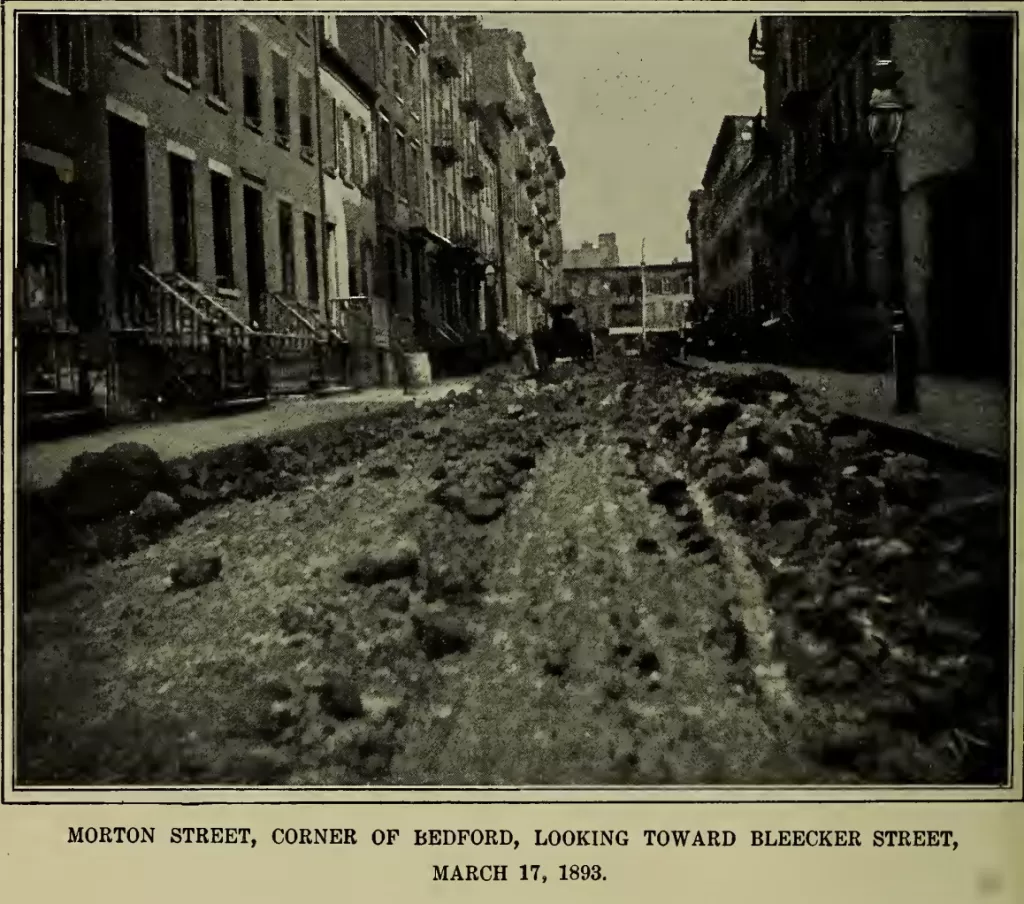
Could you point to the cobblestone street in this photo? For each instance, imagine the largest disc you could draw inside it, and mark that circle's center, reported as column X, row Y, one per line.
column 634, row 575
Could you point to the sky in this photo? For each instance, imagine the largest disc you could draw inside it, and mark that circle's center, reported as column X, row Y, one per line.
column 636, row 101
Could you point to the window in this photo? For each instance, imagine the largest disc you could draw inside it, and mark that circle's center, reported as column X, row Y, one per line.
column 306, row 114
column 353, row 143
column 414, row 175
column 182, row 215
column 128, row 30
column 344, row 148
column 412, row 79
column 286, row 236
column 403, row 166
column 382, row 49
column 214, row 33
column 185, row 47
column 282, row 118
column 353, row 270
column 220, row 196
column 51, row 48
column 312, row 268
column 396, row 78
column 251, row 105
column 302, row 27
column 328, row 132
column 367, row 155
column 384, row 151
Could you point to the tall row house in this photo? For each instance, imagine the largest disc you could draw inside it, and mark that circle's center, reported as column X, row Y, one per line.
column 842, row 236
column 212, row 208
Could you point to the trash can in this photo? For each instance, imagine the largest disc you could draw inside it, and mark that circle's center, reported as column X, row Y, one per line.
column 417, row 370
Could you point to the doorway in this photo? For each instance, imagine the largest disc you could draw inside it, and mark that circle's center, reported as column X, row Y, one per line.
column 255, row 264
column 183, row 235
column 129, row 200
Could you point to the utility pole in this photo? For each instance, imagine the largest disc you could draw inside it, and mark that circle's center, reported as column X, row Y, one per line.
column 643, row 295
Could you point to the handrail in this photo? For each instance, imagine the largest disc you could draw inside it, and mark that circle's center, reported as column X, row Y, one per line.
column 176, row 294
column 442, row 327
column 295, row 314
column 210, row 300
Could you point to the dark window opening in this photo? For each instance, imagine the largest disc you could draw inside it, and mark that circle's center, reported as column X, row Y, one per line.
column 220, row 195
column 312, row 267
column 183, row 215
column 305, row 113
column 128, row 30
column 353, row 263
column 185, row 47
column 286, row 236
column 215, row 55
column 282, row 119
column 251, row 105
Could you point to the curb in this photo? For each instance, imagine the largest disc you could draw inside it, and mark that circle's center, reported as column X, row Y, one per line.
column 935, row 448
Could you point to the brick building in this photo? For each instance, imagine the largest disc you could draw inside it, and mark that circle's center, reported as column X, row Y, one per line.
column 735, row 295
column 236, row 201
column 528, row 188
column 828, row 221
column 610, row 297
column 195, row 187
column 606, row 254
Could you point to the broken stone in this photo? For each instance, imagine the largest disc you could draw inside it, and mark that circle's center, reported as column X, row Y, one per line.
column 99, row 485
column 158, row 510
column 522, row 461
column 670, row 493
column 893, row 550
column 648, row 546
column 789, row 508
column 451, row 498
column 484, row 511
column 441, row 635
column 401, row 561
column 195, row 571
column 340, row 699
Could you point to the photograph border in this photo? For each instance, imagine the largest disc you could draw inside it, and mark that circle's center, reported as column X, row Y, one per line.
column 202, row 795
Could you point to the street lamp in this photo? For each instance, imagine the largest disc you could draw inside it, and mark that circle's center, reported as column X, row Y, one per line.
column 886, row 111
column 643, row 295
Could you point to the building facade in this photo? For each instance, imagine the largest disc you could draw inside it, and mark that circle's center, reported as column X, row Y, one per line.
column 736, row 302
column 241, row 187
column 610, row 297
column 195, row 184
column 830, row 224
column 606, row 254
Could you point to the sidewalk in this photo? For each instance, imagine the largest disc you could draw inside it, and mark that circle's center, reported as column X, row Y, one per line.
column 971, row 415
column 41, row 464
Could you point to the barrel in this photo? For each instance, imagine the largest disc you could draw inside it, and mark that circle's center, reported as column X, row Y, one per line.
column 417, row 370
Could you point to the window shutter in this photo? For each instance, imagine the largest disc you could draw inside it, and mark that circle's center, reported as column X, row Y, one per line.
column 328, row 145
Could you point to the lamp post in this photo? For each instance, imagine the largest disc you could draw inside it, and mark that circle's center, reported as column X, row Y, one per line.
column 643, row 295
column 886, row 111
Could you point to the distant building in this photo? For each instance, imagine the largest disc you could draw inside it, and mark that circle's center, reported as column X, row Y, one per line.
column 606, row 254
column 609, row 297
column 726, row 252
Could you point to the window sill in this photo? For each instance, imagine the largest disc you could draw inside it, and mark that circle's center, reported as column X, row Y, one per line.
column 307, row 155
column 282, row 142
column 52, row 86
column 253, row 125
column 225, row 292
column 181, row 83
column 330, row 171
column 217, row 103
column 304, row 37
column 348, row 182
column 132, row 55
